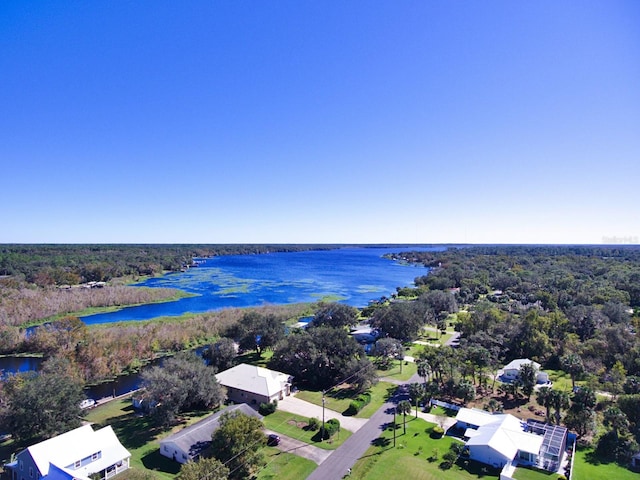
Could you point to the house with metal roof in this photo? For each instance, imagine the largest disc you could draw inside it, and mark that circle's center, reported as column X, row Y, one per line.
column 254, row 385
column 189, row 443
column 503, row 440
column 511, row 371
column 76, row 454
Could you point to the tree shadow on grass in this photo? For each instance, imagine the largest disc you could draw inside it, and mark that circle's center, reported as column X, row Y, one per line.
column 155, row 461
column 381, row 442
column 477, row 469
column 135, row 431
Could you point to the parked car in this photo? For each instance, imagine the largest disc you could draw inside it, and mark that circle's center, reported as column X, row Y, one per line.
column 87, row 403
column 273, row 440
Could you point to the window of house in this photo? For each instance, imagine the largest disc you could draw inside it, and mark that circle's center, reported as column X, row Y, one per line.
column 21, row 465
column 77, row 464
column 31, row 472
column 95, row 456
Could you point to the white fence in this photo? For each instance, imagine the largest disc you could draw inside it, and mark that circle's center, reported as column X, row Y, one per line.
column 450, row 406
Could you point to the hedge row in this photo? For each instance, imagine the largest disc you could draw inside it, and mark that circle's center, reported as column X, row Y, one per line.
column 359, row 403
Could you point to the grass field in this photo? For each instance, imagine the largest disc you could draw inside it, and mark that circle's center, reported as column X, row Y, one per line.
column 291, row 425
column 252, row 358
column 587, row 467
column 417, row 456
column 338, row 399
column 561, row 380
column 285, row 466
column 408, row 370
column 533, row 474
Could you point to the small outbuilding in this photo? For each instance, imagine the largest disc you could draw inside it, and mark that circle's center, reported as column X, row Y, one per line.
column 254, row 385
column 189, row 443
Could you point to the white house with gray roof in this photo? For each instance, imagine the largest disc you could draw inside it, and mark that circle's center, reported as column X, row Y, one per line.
column 190, row 442
column 74, row 455
column 254, row 385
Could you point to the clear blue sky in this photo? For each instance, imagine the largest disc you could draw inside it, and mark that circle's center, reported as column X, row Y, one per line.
column 301, row 121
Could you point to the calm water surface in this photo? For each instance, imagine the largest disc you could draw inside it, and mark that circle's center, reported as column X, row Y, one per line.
column 351, row 275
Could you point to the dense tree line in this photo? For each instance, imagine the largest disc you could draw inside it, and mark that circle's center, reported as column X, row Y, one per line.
column 71, row 264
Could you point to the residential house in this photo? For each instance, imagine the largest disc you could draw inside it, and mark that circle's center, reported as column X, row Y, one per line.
column 512, row 370
column 190, row 442
column 254, row 385
column 501, row 440
column 76, row 454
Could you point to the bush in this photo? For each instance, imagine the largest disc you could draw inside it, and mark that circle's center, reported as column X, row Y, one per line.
column 331, row 427
column 314, row 424
column 358, row 403
column 437, row 431
column 268, row 408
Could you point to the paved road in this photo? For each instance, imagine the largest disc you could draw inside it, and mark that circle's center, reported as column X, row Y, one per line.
column 335, row 467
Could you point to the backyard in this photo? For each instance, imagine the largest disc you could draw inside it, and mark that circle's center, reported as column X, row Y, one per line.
column 588, row 467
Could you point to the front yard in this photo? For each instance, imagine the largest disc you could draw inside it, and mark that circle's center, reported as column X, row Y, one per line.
column 294, row 426
column 417, row 456
column 339, row 399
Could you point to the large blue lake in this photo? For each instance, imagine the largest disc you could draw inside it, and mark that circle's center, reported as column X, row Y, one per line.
column 353, row 276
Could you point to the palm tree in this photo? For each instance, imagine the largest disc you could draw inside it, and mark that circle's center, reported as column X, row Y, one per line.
column 404, row 407
column 560, row 401
column 544, row 398
column 424, row 370
column 494, row 405
column 416, row 392
column 572, row 364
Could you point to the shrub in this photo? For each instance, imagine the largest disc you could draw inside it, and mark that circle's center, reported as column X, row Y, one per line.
column 437, row 431
column 268, row 408
column 331, row 427
column 314, row 424
column 358, row 403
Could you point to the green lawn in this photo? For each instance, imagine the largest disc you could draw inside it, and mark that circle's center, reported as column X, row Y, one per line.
column 408, row 370
column 561, row 380
column 533, row 474
column 140, row 435
column 443, row 412
column 293, row 426
column 587, row 467
column 285, row 466
column 417, row 456
column 339, row 399
column 252, row 358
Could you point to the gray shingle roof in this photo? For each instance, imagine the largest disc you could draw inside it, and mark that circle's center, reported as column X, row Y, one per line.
column 197, row 437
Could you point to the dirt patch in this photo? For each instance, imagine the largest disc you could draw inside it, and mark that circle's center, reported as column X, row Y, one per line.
column 297, row 424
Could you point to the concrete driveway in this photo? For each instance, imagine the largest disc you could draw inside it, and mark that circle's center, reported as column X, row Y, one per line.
column 297, row 447
column 292, row 404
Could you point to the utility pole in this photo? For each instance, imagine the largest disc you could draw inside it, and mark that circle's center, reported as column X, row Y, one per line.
column 322, row 436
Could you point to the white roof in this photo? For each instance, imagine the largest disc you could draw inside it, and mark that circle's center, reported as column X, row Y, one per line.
column 517, row 363
column 474, row 416
column 506, row 436
column 250, row 378
column 82, row 442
